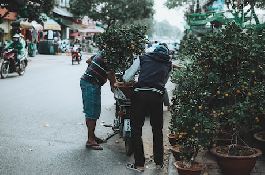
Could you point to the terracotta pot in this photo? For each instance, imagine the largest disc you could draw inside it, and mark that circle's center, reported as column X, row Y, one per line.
column 176, row 151
column 172, row 139
column 195, row 169
column 260, row 136
column 236, row 165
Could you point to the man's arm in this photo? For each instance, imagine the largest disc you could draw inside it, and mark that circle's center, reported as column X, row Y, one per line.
column 130, row 73
column 177, row 66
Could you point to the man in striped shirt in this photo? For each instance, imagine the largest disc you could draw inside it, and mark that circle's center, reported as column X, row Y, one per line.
column 95, row 76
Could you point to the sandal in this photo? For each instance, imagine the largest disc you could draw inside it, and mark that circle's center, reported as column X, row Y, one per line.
column 94, row 147
column 133, row 167
column 99, row 140
column 158, row 167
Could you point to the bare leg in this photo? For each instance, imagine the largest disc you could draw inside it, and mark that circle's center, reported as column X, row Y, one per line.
column 98, row 140
column 91, row 142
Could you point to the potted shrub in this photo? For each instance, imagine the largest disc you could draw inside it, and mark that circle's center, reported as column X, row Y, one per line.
column 222, row 87
column 119, row 46
column 194, row 131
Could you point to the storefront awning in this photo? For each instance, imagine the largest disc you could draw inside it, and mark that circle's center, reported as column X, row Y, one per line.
column 62, row 12
column 74, row 34
column 72, row 25
column 92, row 29
column 25, row 24
column 50, row 24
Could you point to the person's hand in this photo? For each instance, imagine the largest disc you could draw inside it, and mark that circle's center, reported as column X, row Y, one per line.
column 88, row 61
column 178, row 67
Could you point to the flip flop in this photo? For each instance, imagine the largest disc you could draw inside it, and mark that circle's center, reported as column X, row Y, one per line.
column 158, row 167
column 94, row 147
column 133, row 167
column 99, row 140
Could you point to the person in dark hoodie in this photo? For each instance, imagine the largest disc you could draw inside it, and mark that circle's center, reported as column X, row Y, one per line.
column 147, row 99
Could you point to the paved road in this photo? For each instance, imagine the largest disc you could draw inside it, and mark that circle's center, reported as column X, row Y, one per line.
column 42, row 129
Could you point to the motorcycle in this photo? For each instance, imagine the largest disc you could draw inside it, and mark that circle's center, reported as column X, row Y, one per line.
column 122, row 124
column 76, row 55
column 10, row 64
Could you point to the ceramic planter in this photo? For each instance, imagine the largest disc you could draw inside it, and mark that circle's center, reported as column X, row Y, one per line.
column 172, row 139
column 236, row 165
column 260, row 137
column 195, row 169
column 176, row 151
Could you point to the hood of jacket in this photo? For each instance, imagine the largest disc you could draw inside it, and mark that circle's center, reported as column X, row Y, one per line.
column 158, row 56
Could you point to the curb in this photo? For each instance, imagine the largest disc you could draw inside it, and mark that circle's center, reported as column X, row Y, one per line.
column 172, row 170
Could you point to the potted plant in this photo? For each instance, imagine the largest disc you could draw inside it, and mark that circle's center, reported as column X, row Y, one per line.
column 194, row 131
column 222, row 87
column 120, row 46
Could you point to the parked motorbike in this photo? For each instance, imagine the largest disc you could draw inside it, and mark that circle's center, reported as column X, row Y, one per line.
column 10, row 64
column 122, row 123
column 76, row 56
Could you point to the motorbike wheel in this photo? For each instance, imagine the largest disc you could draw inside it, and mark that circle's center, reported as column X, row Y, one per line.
column 23, row 68
column 4, row 70
column 128, row 146
column 73, row 59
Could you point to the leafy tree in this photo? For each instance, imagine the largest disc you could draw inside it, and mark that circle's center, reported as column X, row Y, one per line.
column 30, row 9
column 199, row 14
column 148, row 22
column 113, row 11
column 177, row 3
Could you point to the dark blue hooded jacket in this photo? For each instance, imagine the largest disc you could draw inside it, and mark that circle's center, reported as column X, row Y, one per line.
column 154, row 67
